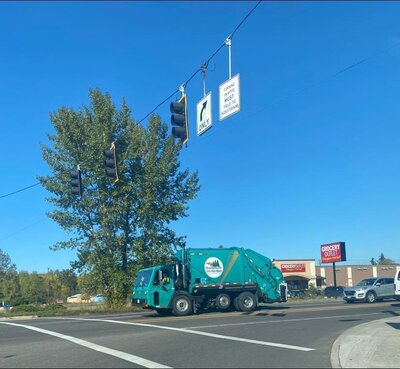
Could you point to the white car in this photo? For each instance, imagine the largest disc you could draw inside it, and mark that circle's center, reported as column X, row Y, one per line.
column 78, row 299
column 397, row 285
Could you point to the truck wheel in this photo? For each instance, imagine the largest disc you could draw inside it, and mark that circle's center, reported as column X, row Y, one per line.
column 223, row 301
column 371, row 297
column 246, row 302
column 235, row 303
column 181, row 305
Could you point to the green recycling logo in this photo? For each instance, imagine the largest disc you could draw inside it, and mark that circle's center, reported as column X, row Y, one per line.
column 213, row 267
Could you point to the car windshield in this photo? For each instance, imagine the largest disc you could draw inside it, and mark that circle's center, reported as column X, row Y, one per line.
column 143, row 278
column 366, row 282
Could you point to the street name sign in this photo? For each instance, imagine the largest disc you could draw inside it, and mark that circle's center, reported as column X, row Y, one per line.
column 204, row 117
column 229, row 97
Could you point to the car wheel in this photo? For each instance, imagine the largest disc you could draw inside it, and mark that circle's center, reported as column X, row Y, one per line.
column 371, row 297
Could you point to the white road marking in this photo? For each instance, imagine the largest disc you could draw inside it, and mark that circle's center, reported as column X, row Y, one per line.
column 280, row 321
column 199, row 333
column 105, row 350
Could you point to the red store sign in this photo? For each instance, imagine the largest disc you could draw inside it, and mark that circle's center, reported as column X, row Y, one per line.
column 293, row 268
column 333, row 252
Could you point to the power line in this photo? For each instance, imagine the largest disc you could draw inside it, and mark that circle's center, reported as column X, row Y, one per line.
column 205, row 64
column 22, row 189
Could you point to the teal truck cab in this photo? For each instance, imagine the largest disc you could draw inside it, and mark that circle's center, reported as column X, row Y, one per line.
column 223, row 278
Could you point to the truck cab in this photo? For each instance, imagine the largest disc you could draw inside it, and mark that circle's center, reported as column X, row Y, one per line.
column 154, row 287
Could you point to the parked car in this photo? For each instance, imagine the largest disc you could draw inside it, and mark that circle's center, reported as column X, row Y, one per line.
column 397, row 285
column 78, row 299
column 370, row 290
column 334, row 291
column 297, row 293
column 98, row 299
column 4, row 306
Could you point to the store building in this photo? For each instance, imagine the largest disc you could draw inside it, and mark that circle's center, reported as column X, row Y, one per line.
column 349, row 275
column 300, row 273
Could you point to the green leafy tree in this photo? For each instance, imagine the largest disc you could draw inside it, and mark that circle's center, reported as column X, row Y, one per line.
column 33, row 288
column 120, row 227
column 9, row 285
column 67, row 283
column 373, row 261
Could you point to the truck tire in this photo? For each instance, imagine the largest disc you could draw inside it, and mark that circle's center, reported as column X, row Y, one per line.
column 235, row 303
column 371, row 297
column 181, row 305
column 246, row 302
column 223, row 301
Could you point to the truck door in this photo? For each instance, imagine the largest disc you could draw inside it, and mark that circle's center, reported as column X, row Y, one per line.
column 163, row 287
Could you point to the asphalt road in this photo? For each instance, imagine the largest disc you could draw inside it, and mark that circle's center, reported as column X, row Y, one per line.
column 284, row 335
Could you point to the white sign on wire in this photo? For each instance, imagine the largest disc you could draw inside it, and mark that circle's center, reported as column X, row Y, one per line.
column 229, row 97
column 204, row 117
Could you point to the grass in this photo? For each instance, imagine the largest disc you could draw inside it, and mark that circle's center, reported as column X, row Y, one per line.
column 50, row 310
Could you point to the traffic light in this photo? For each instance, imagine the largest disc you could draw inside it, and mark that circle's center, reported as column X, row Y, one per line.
column 110, row 163
column 179, row 119
column 76, row 182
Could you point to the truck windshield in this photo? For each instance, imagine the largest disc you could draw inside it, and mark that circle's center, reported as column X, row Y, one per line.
column 143, row 278
column 367, row 282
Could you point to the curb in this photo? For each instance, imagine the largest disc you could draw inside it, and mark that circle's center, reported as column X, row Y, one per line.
column 335, row 351
column 368, row 345
column 19, row 317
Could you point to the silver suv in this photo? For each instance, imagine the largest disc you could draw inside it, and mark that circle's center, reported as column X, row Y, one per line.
column 370, row 290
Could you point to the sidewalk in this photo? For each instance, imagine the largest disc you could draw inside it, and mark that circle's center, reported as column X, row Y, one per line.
column 374, row 344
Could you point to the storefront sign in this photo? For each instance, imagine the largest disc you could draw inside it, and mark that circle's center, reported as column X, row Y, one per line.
column 333, row 252
column 293, row 268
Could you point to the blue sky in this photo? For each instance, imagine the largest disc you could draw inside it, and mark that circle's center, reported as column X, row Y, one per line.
column 313, row 156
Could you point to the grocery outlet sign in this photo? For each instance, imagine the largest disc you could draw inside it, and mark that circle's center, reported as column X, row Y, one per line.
column 333, row 252
column 293, row 268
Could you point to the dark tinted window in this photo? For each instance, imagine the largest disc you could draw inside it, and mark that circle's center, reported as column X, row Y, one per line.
column 389, row 280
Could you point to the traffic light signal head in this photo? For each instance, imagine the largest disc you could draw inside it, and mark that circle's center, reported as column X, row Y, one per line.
column 110, row 163
column 76, row 182
column 179, row 119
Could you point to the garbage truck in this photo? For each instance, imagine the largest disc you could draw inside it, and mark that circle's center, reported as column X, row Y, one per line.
column 223, row 278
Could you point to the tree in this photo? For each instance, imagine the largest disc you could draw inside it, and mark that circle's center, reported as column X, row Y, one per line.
column 33, row 288
column 382, row 260
column 8, row 277
column 116, row 228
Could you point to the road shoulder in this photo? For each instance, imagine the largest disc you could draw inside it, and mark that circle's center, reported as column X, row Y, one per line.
column 370, row 345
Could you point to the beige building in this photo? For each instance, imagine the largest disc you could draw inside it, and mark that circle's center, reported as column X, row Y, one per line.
column 349, row 275
column 300, row 273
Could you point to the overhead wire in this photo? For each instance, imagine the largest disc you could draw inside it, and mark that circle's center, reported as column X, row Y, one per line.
column 204, row 65
column 22, row 189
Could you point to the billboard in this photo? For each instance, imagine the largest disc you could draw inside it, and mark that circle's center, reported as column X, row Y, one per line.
column 333, row 252
column 293, row 268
